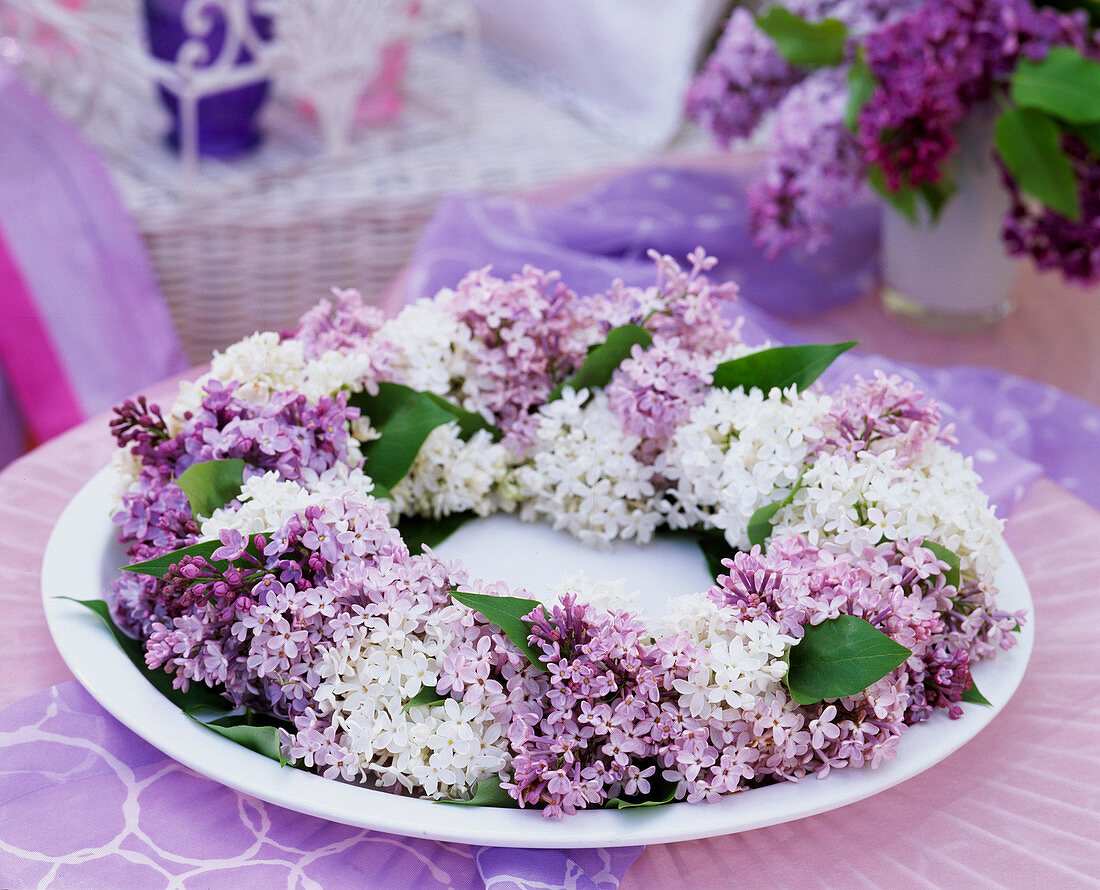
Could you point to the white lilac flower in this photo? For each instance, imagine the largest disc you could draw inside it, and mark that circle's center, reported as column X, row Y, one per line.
column 261, row 364
column 438, row 750
column 847, row 505
column 741, row 661
column 267, row 501
column 453, row 476
column 435, row 351
column 736, row 453
column 583, row 477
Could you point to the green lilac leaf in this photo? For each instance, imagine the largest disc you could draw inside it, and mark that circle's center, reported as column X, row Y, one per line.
column 974, row 697
column 861, row 86
column 1065, row 85
column 1090, row 135
column 903, row 199
column 197, row 696
column 661, row 791
column 506, row 612
column 782, row 366
column 604, row 359
column 158, row 566
column 404, row 418
column 954, row 564
column 762, row 520
column 712, row 544
column 425, row 698
column 1030, row 144
column 469, row 422
column 487, row 793
column 803, row 43
column 211, row 484
column 261, row 739
column 936, row 195
column 416, row 531
column 839, row 657
column 389, row 457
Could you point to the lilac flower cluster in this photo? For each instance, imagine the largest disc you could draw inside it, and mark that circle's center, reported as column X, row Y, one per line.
column 814, row 168
column 654, row 389
column 312, row 609
column 256, row 616
column 814, row 164
column 344, row 323
column 935, row 64
column 288, row 435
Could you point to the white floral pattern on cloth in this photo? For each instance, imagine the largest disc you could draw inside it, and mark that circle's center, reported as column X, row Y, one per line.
column 86, row 803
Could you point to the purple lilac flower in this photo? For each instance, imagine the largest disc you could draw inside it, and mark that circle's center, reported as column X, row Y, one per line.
column 593, row 739
column 935, row 64
column 744, row 78
column 344, row 323
column 814, row 168
column 654, row 390
column 683, row 305
column 1053, row 241
column 530, row 336
column 885, row 410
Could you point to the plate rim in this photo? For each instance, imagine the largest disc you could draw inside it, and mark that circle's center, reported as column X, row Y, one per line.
column 98, row 663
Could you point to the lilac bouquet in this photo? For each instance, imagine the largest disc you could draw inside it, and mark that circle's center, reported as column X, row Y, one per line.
column 874, row 91
column 280, row 519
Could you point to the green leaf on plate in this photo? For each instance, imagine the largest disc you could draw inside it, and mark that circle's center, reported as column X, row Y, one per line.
column 211, row 484
column 803, row 43
column 487, row 793
column 1030, row 144
column 712, row 544
column 425, row 698
column 763, row 519
column 506, row 612
column 197, row 696
column 263, row 739
column 469, row 422
column 603, row 360
column 1064, row 84
column 661, row 791
column 954, row 564
column 861, row 86
column 780, row 366
column 158, row 566
column 416, row 531
column 974, row 697
column 841, row 656
column 404, row 418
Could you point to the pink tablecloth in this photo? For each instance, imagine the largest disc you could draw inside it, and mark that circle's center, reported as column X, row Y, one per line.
column 1018, row 806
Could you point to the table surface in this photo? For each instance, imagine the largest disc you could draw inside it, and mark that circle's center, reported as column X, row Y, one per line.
column 1018, row 806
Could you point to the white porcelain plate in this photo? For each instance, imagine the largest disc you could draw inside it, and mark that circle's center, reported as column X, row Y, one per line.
column 82, row 559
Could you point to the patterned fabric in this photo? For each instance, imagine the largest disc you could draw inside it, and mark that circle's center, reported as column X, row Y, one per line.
column 86, row 803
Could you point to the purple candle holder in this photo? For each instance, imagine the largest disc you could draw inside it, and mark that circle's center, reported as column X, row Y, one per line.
column 227, row 122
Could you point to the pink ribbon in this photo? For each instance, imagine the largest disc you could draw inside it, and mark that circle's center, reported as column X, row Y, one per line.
column 31, row 364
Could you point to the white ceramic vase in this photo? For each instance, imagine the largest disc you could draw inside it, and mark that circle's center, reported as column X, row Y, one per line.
column 954, row 274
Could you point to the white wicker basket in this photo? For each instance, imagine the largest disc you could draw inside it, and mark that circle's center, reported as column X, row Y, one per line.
column 252, row 244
